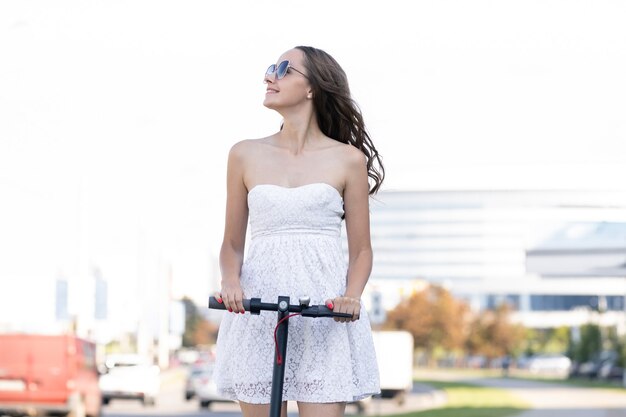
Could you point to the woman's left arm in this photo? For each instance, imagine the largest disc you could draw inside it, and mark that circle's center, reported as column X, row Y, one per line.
column 357, row 216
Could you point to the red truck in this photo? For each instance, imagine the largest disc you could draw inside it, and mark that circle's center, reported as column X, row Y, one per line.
column 48, row 375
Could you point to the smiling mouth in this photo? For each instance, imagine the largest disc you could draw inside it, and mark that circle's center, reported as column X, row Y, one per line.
column 271, row 91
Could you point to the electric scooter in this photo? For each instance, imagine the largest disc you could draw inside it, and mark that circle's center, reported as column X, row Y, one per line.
column 285, row 311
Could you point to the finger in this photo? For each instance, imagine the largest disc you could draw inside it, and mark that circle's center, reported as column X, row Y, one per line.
column 346, row 310
column 351, row 313
column 229, row 302
column 235, row 306
column 239, row 304
column 218, row 297
column 332, row 304
column 351, row 309
column 232, row 303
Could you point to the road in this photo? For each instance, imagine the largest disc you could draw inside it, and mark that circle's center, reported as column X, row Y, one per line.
column 547, row 400
column 171, row 402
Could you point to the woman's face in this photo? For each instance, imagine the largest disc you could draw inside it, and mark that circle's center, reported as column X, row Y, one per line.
column 291, row 90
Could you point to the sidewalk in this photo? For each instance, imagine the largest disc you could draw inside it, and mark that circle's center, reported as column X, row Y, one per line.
column 422, row 397
column 547, row 399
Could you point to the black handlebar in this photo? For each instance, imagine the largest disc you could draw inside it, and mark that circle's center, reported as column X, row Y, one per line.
column 254, row 306
column 283, row 308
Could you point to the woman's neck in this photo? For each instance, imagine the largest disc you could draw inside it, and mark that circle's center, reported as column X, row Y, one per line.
column 299, row 133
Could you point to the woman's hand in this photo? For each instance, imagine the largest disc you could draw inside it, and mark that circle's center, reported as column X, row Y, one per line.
column 345, row 305
column 231, row 295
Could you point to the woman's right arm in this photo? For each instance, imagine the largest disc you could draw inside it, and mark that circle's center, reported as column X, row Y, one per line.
column 231, row 253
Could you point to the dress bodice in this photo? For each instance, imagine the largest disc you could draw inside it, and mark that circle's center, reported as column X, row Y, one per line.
column 315, row 208
column 295, row 250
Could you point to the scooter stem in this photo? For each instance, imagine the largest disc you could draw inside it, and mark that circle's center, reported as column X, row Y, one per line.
column 281, row 352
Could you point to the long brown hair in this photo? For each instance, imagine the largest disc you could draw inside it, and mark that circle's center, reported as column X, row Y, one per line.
column 338, row 116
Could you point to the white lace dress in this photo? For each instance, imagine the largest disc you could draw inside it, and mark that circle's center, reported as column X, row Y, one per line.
column 295, row 250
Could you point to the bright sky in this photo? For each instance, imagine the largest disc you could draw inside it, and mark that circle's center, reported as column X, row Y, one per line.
column 116, row 116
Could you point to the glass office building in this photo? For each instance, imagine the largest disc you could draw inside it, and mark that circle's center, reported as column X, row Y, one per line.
column 476, row 244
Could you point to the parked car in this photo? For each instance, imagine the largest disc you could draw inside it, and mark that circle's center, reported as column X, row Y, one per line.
column 130, row 376
column 48, row 374
column 589, row 369
column 602, row 365
column 549, row 364
column 610, row 370
column 205, row 388
column 194, row 377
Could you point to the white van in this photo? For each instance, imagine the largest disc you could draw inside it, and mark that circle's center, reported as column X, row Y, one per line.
column 394, row 352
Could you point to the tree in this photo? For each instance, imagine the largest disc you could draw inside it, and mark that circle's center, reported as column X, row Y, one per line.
column 206, row 333
column 590, row 343
column 434, row 318
column 493, row 335
column 198, row 330
column 439, row 321
column 617, row 343
column 548, row 340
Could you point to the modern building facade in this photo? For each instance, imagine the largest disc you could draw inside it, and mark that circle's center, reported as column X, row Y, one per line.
column 475, row 243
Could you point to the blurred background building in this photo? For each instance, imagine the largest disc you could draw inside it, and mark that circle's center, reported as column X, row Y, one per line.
column 555, row 256
column 483, row 247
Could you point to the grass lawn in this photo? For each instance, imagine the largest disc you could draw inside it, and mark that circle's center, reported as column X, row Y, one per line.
column 518, row 374
column 466, row 400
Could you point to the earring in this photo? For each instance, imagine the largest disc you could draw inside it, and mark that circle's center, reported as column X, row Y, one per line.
column 309, row 95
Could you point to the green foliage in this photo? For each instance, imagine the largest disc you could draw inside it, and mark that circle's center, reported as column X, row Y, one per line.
column 192, row 318
column 617, row 344
column 125, row 344
column 441, row 325
column 590, row 343
column 493, row 335
column 198, row 330
column 466, row 400
column 556, row 340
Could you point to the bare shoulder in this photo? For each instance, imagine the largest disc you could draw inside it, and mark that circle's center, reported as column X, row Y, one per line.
column 352, row 157
column 246, row 147
column 349, row 163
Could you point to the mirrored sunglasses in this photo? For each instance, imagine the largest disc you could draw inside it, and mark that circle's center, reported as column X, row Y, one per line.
column 281, row 69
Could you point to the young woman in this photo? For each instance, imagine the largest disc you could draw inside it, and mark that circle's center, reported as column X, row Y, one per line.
column 295, row 187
